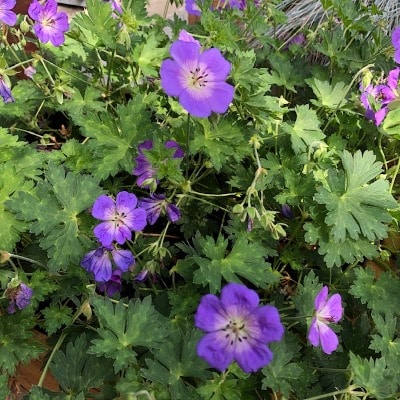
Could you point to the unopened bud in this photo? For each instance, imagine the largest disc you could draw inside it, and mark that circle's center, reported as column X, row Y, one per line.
column 4, row 256
column 24, row 26
column 86, row 310
column 238, row 209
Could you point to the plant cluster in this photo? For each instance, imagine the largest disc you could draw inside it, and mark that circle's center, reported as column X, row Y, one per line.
column 205, row 211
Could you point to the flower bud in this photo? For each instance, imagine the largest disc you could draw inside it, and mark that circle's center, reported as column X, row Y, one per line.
column 24, row 26
column 4, row 256
column 238, row 208
column 86, row 310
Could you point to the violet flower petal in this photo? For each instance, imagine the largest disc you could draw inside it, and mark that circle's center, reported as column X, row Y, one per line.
column 334, row 305
column 122, row 234
column 216, row 66
column 271, row 328
column 173, row 213
column 235, row 294
column 215, row 351
column 23, row 298
column 195, row 106
column 7, row 16
column 171, row 144
column 169, row 72
column 321, row 298
column 396, row 38
column 98, row 262
column 397, row 55
column 113, row 285
column 103, row 208
column 313, row 333
column 105, row 233
column 123, row 259
column 209, row 315
column 187, row 37
column 5, row 92
column 252, row 357
column 328, row 338
column 125, row 202
column 136, row 219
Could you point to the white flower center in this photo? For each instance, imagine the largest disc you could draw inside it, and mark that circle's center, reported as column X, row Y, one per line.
column 197, row 78
column 235, row 331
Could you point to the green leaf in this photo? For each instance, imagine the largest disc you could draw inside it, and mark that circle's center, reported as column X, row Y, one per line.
column 244, row 260
column 10, row 182
column 374, row 292
column 284, row 73
column 42, row 285
column 305, row 130
column 8, row 144
column 222, row 143
column 328, row 95
column 391, row 123
column 373, row 376
column 282, row 375
column 4, row 391
column 37, row 393
column 79, row 104
column 175, row 362
column 76, row 371
column 220, row 388
column 113, row 139
column 359, row 208
column 55, row 317
column 27, row 99
column 387, row 341
column 17, row 342
column 124, row 328
column 53, row 209
column 298, row 188
column 148, row 56
column 98, row 20
column 338, row 253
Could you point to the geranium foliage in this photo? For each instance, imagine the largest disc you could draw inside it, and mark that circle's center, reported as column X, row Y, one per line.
column 204, row 210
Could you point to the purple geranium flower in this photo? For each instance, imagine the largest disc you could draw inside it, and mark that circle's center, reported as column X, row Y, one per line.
column 29, row 71
column 238, row 329
column 7, row 16
column 197, row 78
column 113, row 285
column 376, row 99
column 192, row 8
column 120, row 216
column 298, row 39
column 115, row 5
column 156, row 204
column 287, row 211
column 5, row 92
column 326, row 311
column 396, row 44
column 142, row 275
column 98, row 262
column 50, row 25
column 19, row 296
column 144, row 170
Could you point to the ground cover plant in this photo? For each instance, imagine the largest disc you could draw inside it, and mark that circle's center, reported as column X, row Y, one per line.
column 203, row 211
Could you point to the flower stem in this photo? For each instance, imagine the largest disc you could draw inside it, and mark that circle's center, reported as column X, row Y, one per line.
column 27, row 259
column 57, row 346
column 396, row 171
column 349, row 390
column 187, row 147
